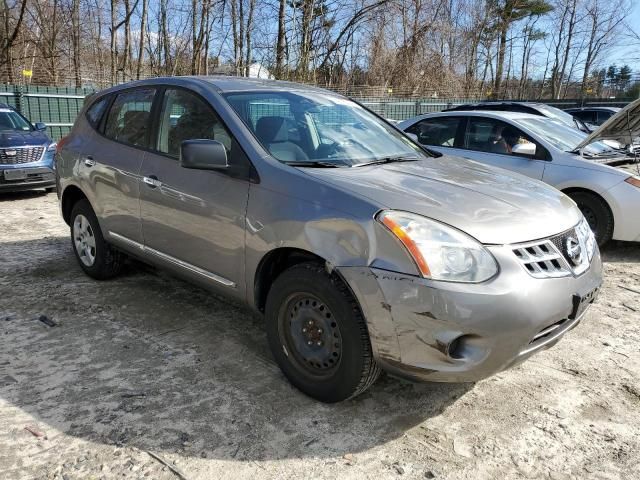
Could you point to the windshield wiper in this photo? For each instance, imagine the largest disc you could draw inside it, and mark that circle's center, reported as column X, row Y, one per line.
column 384, row 160
column 314, row 164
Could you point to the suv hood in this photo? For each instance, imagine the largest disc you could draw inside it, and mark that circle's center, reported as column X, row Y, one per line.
column 492, row 205
column 623, row 127
column 13, row 138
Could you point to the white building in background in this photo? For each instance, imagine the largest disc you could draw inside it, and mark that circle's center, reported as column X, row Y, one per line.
column 256, row 70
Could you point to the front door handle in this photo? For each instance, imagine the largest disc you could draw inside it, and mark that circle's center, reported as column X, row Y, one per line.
column 152, row 181
column 89, row 161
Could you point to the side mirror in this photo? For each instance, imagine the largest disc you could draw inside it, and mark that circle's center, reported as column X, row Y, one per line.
column 526, row 149
column 40, row 126
column 203, row 155
column 412, row 136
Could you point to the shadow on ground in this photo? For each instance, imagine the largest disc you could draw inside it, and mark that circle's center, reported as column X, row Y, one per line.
column 621, row 252
column 149, row 361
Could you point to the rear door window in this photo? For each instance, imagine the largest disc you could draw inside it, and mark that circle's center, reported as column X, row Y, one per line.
column 129, row 118
column 440, row 132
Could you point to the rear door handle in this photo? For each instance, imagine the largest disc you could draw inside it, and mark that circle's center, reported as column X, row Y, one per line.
column 89, row 161
column 152, row 181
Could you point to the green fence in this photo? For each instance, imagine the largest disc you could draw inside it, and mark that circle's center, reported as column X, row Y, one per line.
column 59, row 106
column 55, row 106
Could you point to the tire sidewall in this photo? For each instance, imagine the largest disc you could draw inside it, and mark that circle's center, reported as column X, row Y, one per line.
column 603, row 216
column 345, row 379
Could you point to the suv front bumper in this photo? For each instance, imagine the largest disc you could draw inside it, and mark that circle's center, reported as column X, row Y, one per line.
column 454, row 332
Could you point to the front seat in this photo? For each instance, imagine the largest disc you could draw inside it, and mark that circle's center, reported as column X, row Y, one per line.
column 274, row 135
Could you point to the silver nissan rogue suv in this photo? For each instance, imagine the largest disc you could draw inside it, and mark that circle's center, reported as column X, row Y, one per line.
column 364, row 251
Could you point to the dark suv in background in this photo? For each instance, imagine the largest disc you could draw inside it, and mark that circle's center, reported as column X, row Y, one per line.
column 26, row 153
column 533, row 108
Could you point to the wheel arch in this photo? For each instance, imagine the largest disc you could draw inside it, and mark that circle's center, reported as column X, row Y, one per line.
column 272, row 264
column 70, row 196
column 569, row 190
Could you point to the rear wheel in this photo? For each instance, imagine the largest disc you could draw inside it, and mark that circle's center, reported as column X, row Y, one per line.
column 318, row 335
column 96, row 257
column 597, row 213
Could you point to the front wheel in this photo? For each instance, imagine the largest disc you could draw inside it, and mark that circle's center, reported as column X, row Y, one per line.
column 318, row 335
column 597, row 214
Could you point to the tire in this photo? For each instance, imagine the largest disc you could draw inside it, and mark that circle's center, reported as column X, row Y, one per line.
column 597, row 213
column 318, row 335
column 96, row 257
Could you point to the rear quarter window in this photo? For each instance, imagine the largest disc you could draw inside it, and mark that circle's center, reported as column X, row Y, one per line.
column 96, row 111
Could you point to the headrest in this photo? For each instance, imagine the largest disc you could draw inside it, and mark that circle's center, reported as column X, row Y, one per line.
column 272, row 129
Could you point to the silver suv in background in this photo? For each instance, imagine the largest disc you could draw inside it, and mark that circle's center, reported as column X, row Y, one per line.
column 364, row 251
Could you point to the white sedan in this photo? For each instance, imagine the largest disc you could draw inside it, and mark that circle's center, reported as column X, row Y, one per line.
column 547, row 150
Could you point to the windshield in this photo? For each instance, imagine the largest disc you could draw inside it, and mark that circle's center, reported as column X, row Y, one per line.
column 557, row 114
column 10, row 120
column 562, row 137
column 319, row 129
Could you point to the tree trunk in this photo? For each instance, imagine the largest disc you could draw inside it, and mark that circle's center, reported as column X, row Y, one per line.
column 114, row 7
column 249, row 28
column 75, row 40
column 281, row 42
column 143, row 29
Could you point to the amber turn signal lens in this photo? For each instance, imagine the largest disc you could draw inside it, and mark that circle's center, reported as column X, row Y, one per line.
column 409, row 244
column 635, row 181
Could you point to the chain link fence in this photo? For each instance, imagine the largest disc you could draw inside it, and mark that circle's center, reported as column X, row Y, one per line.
column 58, row 107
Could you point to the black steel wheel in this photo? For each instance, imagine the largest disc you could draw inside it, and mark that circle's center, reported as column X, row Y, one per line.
column 318, row 335
column 308, row 326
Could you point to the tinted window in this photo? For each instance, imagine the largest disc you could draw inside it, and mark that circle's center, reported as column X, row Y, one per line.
column 603, row 116
column 129, row 117
column 585, row 116
column 436, row 131
column 186, row 116
column 494, row 136
column 95, row 111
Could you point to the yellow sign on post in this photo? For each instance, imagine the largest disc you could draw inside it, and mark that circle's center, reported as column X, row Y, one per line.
column 27, row 73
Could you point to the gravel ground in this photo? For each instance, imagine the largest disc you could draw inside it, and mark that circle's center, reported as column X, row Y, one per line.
column 146, row 376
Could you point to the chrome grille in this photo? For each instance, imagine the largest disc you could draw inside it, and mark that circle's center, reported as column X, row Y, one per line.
column 18, row 155
column 550, row 258
column 542, row 259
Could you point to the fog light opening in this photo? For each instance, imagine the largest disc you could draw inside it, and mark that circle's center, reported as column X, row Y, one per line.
column 455, row 349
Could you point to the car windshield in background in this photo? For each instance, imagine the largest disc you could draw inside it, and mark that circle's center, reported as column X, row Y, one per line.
column 557, row 114
column 562, row 137
column 315, row 129
column 10, row 120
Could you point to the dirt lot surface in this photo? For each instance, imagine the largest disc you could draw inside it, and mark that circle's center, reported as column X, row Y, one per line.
column 148, row 377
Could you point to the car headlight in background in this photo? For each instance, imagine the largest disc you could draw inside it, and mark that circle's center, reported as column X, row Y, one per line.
column 439, row 251
column 52, row 147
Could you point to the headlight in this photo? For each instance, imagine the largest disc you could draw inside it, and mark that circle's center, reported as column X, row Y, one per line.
column 440, row 252
column 52, row 147
column 586, row 237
